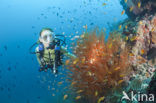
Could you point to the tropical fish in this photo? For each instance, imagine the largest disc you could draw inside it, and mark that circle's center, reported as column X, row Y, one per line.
column 140, row 22
column 139, row 4
column 131, row 8
column 79, row 91
column 153, row 29
column 104, row 4
column 73, row 83
column 120, row 81
column 96, row 93
column 52, row 88
column 105, row 80
column 83, row 60
column 67, row 62
column 85, row 26
column 126, row 27
column 110, row 45
column 76, row 36
column 120, row 26
column 122, row 12
column 89, row 73
column 48, row 87
column 122, row 75
column 147, row 75
column 109, row 72
column 126, row 37
column 63, row 32
column 117, row 68
column 53, row 94
column 65, row 96
column 74, row 62
column 131, row 54
column 101, row 99
column 125, row 1
column 60, row 83
column 142, row 51
column 78, row 97
column 82, row 36
column 133, row 38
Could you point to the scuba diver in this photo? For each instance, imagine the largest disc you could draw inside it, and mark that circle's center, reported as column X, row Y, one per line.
column 50, row 50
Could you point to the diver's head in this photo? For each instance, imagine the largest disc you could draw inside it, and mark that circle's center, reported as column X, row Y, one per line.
column 46, row 37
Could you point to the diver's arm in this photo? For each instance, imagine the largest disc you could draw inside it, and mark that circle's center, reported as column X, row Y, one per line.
column 64, row 51
column 38, row 56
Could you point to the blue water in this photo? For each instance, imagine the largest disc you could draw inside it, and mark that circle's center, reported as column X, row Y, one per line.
column 20, row 24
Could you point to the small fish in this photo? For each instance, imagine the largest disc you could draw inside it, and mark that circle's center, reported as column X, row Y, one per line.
column 131, row 8
column 48, row 87
column 120, row 81
column 122, row 12
column 96, row 93
column 140, row 22
column 139, row 4
column 133, row 38
column 104, row 4
column 82, row 36
column 74, row 62
column 153, row 29
column 85, row 26
column 142, row 51
column 125, row 1
column 110, row 45
column 126, row 27
column 101, row 99
column 117, row 68
column 89, row 73
column 73, row 83
column 122, row 75
column 65, row 96
column 77, row 32
column 78, row 97
column 76, row 36
column 63, row 33
column 79, row 91
column 147, row 75
column 109, row 72
column 60, row 83
column 105, row 80
column 67, row 62
column 103, row 54
column 131, row 54
column 83, row 60
column 126, row 37
column 52, row 88
column 53, row 94
column 120, row 26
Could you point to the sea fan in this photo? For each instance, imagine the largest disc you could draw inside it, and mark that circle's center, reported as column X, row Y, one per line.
column 101, row 67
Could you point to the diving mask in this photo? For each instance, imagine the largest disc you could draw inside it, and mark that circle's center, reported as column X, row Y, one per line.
column 47, row 37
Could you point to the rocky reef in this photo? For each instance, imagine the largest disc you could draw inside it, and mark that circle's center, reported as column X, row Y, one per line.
column 141, row 37
column 138, row 8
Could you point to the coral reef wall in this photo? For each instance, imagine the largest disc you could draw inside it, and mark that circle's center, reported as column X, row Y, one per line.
column 123, row 62
column 138, row 8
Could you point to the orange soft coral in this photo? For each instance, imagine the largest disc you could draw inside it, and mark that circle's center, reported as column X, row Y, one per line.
column 100, row 65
